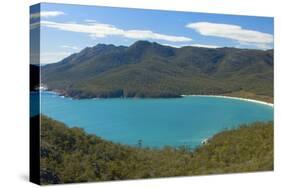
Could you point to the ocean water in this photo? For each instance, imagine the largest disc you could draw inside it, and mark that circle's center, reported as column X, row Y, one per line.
column 156, row 122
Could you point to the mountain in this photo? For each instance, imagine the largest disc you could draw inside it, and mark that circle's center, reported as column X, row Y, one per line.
column 147, row 69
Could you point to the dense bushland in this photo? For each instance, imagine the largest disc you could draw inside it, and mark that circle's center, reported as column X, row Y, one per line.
column 71, row 155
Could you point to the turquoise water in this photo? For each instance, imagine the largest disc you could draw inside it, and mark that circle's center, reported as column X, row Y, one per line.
column 35, row 103
column 157, row 122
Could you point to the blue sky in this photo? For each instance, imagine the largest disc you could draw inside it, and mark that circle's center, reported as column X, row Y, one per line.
column 67, row 29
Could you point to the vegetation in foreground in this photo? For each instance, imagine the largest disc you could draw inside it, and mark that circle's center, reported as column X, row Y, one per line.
column 70, row 155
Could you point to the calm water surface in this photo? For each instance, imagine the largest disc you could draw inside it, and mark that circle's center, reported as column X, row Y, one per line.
column 157, row 122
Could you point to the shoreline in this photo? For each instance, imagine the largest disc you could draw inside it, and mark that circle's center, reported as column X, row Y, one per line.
column 217, row 96
column 236, row 98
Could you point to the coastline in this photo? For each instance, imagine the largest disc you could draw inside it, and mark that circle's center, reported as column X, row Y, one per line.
column 236, row 98
column 217, row 96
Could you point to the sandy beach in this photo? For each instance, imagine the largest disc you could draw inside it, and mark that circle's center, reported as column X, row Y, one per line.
column 237, row 98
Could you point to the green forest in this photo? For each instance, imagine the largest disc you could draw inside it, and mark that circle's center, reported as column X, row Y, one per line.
column 70, row 155
column 152, row 70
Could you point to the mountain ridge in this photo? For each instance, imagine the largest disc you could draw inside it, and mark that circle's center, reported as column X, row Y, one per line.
column 148, row 69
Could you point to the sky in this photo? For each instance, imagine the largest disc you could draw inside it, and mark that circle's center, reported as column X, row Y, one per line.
column 66, row 29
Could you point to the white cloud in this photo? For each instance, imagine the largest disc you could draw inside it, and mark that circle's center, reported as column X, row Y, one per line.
column 34, row 58
column 46, row 14
column 195, row 45
column 69, row 47
column 52, row 57
column 262, row 46
column 34, row 25
column 90, row 21
column 175, row 45
column 205, row 46
column 99, row 30
column 234, row 32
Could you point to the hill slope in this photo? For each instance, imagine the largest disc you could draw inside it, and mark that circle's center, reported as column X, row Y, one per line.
column 70, row 155
column 152, row 70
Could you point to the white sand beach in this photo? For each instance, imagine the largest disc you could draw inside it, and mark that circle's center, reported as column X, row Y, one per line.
column 237, row 98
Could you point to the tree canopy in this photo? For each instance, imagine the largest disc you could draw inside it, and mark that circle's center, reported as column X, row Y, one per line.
column 70, row 155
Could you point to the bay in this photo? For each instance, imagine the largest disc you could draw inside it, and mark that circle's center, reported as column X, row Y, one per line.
column 156, row 122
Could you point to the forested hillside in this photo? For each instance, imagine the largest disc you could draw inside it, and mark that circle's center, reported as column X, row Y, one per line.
column 147, row 69
column 70, row 155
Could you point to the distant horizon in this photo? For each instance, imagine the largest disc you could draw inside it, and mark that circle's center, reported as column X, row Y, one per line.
column 64, row 30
